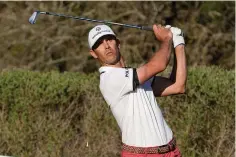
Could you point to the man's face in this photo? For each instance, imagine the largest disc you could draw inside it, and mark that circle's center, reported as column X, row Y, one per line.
column 106, row 50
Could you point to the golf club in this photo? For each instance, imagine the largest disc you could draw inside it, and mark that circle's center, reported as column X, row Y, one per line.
column 34, row 16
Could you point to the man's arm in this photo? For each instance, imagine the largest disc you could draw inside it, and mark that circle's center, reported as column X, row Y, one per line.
column 176, row 83
column 160, row 59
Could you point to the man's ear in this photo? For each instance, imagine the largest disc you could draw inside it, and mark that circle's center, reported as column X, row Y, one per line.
column 118, row 43
column 93, row 54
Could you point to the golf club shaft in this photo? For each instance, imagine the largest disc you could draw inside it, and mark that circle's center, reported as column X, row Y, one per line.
column 148, row 28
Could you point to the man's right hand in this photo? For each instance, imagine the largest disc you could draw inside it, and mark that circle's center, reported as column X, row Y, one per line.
column 162, row 34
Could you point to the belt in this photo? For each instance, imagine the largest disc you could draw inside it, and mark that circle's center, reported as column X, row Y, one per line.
column 151, row 150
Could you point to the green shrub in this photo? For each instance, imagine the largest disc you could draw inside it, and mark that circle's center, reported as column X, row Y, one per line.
column 203, row 118
column 63, row 114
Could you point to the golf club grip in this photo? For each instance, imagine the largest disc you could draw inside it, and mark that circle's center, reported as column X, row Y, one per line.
column 147, row 28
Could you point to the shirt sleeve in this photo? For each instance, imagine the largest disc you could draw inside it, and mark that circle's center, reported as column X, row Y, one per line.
column 122, row 80
column 135, row 79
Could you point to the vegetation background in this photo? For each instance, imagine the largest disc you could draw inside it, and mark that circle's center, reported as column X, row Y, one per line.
column 50, row 104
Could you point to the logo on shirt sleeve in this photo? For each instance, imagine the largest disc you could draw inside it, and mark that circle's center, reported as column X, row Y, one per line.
column 126, row 72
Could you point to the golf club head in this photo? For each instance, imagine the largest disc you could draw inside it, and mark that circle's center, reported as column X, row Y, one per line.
column 33, row 17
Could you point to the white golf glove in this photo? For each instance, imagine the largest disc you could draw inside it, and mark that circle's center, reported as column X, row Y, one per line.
column 178, row 37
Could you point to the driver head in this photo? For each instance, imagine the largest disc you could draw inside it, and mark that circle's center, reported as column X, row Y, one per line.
column 33, row 17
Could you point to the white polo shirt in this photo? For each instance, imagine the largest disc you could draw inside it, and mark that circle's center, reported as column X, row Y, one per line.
column 135, row 110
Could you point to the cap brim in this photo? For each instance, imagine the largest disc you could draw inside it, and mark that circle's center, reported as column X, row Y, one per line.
column 98, row 40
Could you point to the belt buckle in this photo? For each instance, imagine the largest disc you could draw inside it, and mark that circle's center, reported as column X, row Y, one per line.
column 159, row 150
column 166, row 149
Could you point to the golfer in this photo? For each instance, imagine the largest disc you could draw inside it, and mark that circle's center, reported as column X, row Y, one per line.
column 130, row 92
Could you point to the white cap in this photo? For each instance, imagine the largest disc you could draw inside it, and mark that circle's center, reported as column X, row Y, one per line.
column 97, row 32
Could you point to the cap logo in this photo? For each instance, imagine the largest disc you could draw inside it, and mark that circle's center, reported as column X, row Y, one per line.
column 100, row 32
column 98, row 29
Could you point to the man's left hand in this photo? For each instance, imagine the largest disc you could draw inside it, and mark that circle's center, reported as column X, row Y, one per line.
column 178, row 36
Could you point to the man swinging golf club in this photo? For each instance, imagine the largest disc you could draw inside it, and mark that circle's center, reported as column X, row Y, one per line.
column 130, row 92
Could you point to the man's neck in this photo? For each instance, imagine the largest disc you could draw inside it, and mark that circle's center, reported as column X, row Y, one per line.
column 120, row 64
column 117, row 65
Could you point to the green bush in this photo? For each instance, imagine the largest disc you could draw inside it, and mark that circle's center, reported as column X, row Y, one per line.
column 63, row 114
column 203, row 119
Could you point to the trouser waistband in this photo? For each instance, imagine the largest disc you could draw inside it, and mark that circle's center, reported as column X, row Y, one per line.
column 151, row 150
